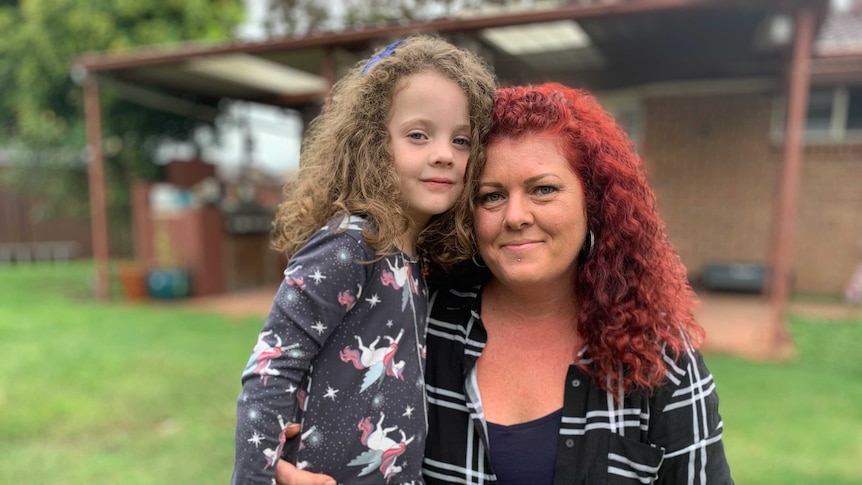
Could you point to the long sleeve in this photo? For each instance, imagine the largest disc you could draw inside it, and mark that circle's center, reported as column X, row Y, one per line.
column 321, row 283
column 685, row 422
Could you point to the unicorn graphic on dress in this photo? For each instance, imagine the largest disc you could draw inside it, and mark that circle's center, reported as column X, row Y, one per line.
column 377, row 363
column 347, row 300
column 260, row 362
column 271, row 455
column 291, row 280
column 401, row 278
column 382, row 451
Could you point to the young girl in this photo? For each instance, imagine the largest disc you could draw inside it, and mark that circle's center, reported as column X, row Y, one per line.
column 342, row 350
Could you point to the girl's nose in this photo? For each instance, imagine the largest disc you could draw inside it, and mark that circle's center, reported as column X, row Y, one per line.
column 443, row 153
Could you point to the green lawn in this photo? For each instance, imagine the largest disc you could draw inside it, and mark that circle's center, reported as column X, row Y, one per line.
column 141, row 394
column 112, row 393
column 798, row 422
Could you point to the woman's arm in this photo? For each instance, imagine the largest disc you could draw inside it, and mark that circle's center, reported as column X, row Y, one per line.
column 287, row 474
column 685, row 422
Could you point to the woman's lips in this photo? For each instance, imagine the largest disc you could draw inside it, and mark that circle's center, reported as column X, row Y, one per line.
column 520, row 246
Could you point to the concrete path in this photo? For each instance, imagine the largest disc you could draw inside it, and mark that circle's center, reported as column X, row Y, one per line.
column 734, row 324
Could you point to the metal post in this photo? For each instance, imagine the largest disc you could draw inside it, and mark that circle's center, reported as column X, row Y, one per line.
column 96, row 173
column 791, row 168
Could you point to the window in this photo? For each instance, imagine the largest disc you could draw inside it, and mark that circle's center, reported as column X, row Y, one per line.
column 834, row 115
column 854, row 109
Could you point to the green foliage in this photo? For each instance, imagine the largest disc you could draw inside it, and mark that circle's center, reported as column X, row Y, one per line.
column 41, row 109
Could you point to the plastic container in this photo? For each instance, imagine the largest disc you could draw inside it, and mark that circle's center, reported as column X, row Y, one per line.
column 169, row 283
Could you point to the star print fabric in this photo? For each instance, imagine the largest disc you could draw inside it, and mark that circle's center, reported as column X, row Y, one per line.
column 343, row 353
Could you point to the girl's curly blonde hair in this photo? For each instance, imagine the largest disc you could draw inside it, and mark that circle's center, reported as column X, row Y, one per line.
column 347, row 165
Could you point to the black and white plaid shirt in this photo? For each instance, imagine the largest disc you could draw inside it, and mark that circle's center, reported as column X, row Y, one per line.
column 670, row 437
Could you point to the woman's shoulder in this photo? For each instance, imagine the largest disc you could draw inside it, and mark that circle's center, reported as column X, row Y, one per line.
column 687, row 379
column 462, row 278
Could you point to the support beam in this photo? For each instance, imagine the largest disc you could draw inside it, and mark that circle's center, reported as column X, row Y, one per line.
column 96, row 173
column 790, row 175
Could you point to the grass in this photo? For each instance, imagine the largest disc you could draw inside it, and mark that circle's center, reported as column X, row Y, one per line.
column 111, row 393
column 129, row 394
column 797, row 422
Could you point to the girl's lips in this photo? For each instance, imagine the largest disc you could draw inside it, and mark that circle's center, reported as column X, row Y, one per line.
column 438, row 183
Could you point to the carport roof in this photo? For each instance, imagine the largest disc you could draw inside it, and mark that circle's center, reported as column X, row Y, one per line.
column 628, row 42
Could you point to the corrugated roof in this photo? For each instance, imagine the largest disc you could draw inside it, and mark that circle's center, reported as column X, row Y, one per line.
column 841, row 34
column 631, row 42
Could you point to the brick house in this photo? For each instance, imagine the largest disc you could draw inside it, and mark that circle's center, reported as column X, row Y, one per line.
column 712, row 148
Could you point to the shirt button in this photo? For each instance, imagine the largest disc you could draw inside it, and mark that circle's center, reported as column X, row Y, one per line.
column 570, row 442
column 576, row 383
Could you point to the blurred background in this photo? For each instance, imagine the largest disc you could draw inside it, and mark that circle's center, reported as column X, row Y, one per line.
column 144, row 146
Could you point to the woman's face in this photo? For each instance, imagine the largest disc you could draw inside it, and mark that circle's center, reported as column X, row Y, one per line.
column 530, row 218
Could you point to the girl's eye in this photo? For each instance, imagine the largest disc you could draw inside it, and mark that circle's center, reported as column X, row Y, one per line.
column 462, row 141
column 416, row 136
column 545, row 189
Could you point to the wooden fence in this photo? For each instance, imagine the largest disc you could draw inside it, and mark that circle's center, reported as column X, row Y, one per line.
column 25, row 237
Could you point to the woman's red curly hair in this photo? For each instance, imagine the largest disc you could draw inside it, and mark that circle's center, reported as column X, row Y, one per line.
column 635, row 300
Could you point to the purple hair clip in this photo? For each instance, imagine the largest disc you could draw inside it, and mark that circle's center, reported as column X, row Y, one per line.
column 386, row 52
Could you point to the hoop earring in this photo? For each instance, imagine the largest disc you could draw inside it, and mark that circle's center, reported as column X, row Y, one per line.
column 478, row 263
column 589, row 244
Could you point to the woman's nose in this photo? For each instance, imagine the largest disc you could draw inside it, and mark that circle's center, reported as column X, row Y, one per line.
column 517, row 213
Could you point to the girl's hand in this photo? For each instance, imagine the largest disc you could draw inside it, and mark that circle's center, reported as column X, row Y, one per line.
column 287, row 474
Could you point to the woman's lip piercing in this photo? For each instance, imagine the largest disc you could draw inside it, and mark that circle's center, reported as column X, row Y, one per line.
column 519, row 260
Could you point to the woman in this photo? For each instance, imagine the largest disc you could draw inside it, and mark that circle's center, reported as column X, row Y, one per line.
column 566, row 351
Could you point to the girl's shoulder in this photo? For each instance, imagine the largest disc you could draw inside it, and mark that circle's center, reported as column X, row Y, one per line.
column 346, row 223
column 340, row 234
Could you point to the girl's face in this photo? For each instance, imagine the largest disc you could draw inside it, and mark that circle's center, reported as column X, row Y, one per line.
column 530, row 217
column 429, row 131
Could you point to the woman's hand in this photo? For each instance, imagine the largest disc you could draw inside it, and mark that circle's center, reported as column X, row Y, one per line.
column 287, row 473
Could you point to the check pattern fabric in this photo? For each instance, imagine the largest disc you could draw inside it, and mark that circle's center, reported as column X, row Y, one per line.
column 672, row 436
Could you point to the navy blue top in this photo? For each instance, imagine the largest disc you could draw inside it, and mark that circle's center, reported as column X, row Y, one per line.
column 524, row 453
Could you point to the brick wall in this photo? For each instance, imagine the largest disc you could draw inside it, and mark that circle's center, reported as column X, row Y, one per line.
column 713, row 167
column 829, row 228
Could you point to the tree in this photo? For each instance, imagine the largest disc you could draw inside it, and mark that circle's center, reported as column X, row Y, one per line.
column 296, row 17
column 41, row 110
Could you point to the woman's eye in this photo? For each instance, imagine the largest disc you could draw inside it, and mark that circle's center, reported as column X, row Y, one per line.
column 490, row 197
column 545, row 190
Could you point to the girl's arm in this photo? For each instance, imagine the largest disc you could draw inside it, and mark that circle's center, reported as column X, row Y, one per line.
column 308, row 307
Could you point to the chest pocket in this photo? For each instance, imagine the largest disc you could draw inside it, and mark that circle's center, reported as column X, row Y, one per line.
column 632, row 462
